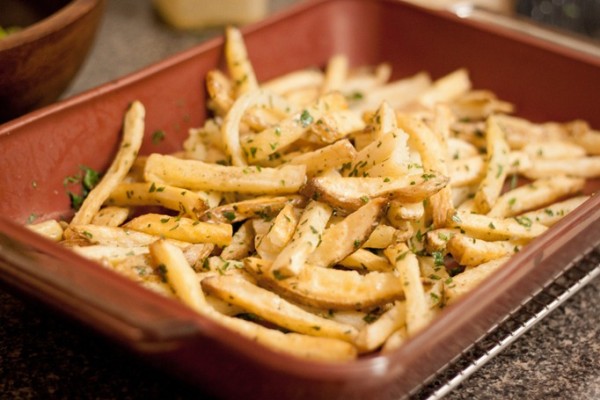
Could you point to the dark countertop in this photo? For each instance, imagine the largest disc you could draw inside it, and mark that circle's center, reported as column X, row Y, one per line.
column 43, row 356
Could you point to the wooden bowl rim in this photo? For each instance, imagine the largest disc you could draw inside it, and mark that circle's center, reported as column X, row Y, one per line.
column 57, row 21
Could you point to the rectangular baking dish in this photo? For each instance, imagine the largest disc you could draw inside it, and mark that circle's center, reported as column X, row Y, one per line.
column 543, row 80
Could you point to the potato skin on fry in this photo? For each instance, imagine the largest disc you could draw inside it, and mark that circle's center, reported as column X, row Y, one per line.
column 330, row 288
column 351, row 193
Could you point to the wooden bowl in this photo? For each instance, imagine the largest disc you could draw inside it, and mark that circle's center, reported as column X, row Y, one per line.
column 40, row 59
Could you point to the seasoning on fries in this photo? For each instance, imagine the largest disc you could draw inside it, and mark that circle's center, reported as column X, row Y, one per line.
column 332, row 213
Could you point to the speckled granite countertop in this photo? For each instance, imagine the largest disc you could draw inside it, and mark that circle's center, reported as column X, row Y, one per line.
column 43, row 356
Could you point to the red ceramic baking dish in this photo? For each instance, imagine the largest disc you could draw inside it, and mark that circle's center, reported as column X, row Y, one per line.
column 39, row 150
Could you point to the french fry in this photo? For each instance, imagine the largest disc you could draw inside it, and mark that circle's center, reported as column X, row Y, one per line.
column 306, row 238
column 352, row 193
column 109, row 253
column 466, row 171
column 400, row 211
column 335, row 73
column 50, row 229
column 186, row 202
column 111, row 216
column 180, row 275
column 133, row 133
column 433, row 150
column 294, row 80
column 553, row 213
column 242, row 243
column 364, row 260
column 326, row 158
column 230, row 130
column 446, row 88
column 299, row 345
column 479, row 105
column 418, row 313
column 496, row 167
column 534, row 195
column 220, row 90
column 330, row 288
column 554, row 150
column 182, row 229
column 335, row 125
column 238, row 63
column 116, row 236
column 459, row 149
column 270, row 307
column 342, row 239
column 375, row 334
column 472, row 252
column 262, row 207
column 490, row 228
column 279, row 234
column 398, row 93
column 461, row 284
column 197, row 175
column 381, row 237
column 260, row 146
column 585, row 167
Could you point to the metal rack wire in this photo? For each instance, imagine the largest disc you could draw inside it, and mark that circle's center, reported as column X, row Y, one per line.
column 575, row 276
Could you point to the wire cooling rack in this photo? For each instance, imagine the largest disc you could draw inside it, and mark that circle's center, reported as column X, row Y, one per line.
column 574, row 277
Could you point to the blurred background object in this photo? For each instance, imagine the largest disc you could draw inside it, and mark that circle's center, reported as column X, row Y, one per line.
column 197, row 14
column 579, row 16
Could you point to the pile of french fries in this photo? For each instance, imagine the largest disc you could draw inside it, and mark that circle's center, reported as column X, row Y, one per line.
column 331, row 213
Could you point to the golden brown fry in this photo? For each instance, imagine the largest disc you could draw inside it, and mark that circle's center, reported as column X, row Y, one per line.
column 265, row 207
column 230, row 130
column 534, row 195
column 490, row 228
column 342, row 239
column 466, row 281
column 326, row 158
column 304, row 346
column 133, row 133
column 295, row 80
column 188, row 203
column 352, row 193
column 198, row 175
column 364, row 260
column 418, row 313
column 433, row 151
column 330, row 288
column 307, row 237
column 335, row 73
column 398, row 93
column 376, row 333
column 111, row 216
column 553, row 150
column 472, row 252
column 381, row 237
column 446, row 88
column 496, row 167
column 262, row 145
column 242, row 243
column 553, row 213
column 220, row 90
column 585, row 167
column 271, row 307
column 238, row 63
column 279, row 234
column 182, row 229
column 180, row 275
column 50, row 229
column 387, row 156
column 116, row 236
